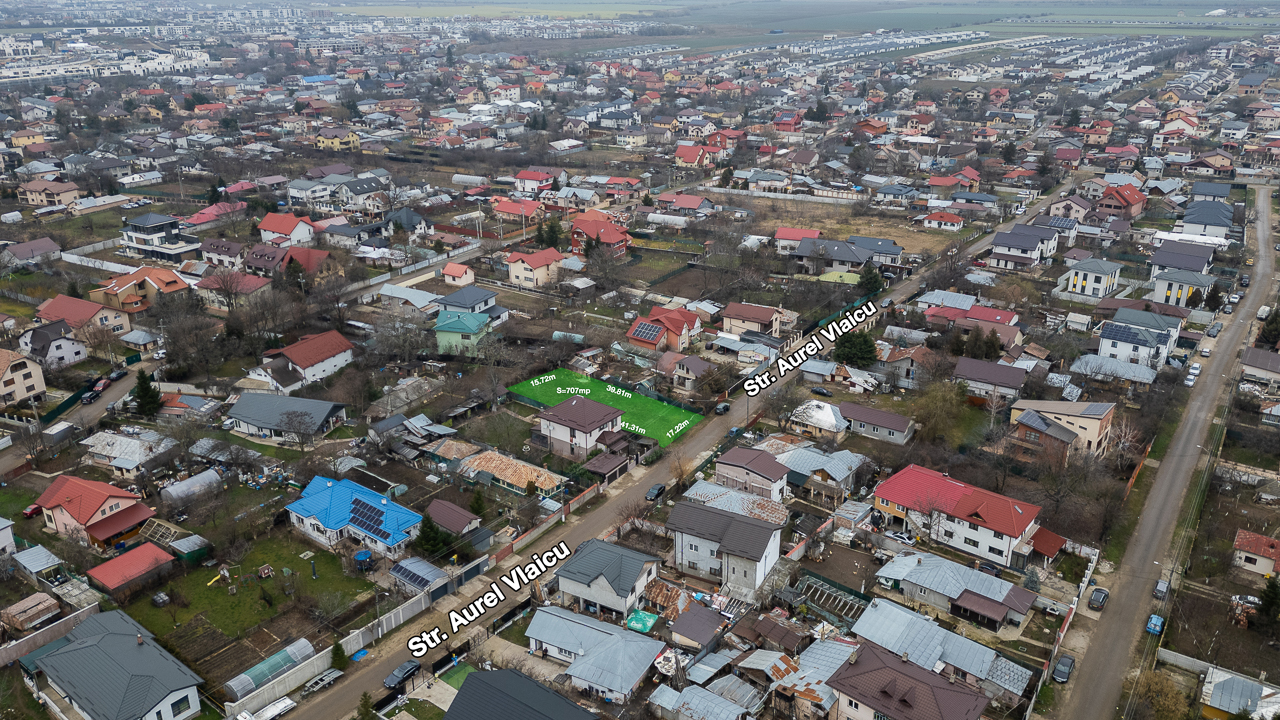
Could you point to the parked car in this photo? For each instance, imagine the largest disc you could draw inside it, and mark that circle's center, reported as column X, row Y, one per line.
column 1228, row 309
column 90, row 397
column 1214, row 329
column 904, row 538
column 103, row 384
column 885, row 303
column 402, row 674
column 1062, row 670
column 1234, row 298
column 1244, row 281
column 991, row 569
column 1155, row 624
column 723, row 408
column 655, row 492
column 979, row 263
column 1249, row 600
column 160, row 354
column 31, row 511
column 117, row 375
column 1249, row 262
column 1205, row 352
column 821, row 391
column 1194, row 370
column 1098, row 598
column 1190, row 381
column 1161, row 590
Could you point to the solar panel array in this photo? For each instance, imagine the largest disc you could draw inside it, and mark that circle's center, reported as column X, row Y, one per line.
column 1097, row 409
column 368, row 518
column 410, row 576
column 647, row 331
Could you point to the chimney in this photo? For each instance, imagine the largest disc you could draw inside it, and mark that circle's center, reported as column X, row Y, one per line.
column 329, row 484
column 139, row 638
column 905, row 657
column 952, row 678
column 919, row 561
column 384, row 501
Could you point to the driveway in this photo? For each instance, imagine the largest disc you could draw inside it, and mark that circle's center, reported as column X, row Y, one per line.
column 1104, row 664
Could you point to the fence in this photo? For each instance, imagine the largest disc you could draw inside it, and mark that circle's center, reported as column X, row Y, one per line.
column 63, row 406
column 19, row 296
column 1137, row 469
column 797, row 552
column 37, row 640
column 534, row 533
column 98, row 264
column 1178, row 660
column 839, row 586
column 781, row 196
column 398, row 272
column 95, row 247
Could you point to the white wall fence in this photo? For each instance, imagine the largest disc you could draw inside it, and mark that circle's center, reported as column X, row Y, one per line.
column 1178, row 660
column 407, row 269
column 37, row 640
column 782, row 196
column 98, row 264
column 93, row 248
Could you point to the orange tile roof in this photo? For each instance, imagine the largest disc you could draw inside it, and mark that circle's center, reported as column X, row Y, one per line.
column 314, row 349
column 1259, row 545
column 79, row 497
column 64, row 307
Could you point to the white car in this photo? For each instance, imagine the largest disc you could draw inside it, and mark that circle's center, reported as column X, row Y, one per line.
column 160, row 355
column 1234, row 299
column 1190, row 381
column 1195, row 369
column 901, row 537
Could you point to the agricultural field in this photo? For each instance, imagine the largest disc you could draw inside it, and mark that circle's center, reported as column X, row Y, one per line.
column 641, row 415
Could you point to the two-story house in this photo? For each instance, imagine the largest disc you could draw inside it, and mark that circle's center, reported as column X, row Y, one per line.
column 472, row 299
column 1208, row 217
column 159, row 237
column 665, row 329
column 92, row 511
column 1093, row 277
column 534, row 270
column 734, row 550
column 1023, row 247
column 461, row 333
column 753, row 471
column 137, row 291
column 286, row 230
column 53, row 345
column 1175, row 255
column 48, row 193
column 988, row 525
column 573, row 428
column 223, row 253
column 81, row 314
column 311, row 359
column 602, row 575
column 1154, row 335
column 1180, row 287
column 1090, row 421
column 747, row 317
column 20, row 378
column 818, row 256
column 337, row 140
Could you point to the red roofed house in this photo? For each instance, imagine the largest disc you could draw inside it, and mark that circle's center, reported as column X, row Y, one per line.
column 789, row 238
column 1257, row 553
column 1123, row 201
column 726, row 139
column 458, row 274
column 697, row 156
column 612, row 237
column 533, row 270
column 944, row 221
column 526, row 211
column 979, row 522
column 286, row 230
column 992, row 315
column 311, row 359
column 665, row 329
column 81, row 314
column 134, row 293
column 235, row 286
column 532, row 181
column 80, row 509
column 316, row 265
column 133, row 572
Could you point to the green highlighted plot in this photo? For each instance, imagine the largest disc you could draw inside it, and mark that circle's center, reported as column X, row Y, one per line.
column 641, row 415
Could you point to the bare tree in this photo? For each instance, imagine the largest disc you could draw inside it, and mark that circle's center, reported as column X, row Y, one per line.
column 228, row 285
column 996, row 405
column 1126, row 442
column 300, row 426
column 399, row 337
column 99, row 339
column 31, row 439
column 328, row 606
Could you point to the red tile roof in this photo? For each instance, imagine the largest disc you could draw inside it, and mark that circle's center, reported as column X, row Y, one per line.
column 282, row 223
column 542, row 258
column 990, row 314
column 789, row 233
column 1259, row 545
column 79, row 497
column 450, row 516
column 922, row 490
column 455, row 269
column 688, row 202
column 749, row 313
column 64, row 307
column 945, row 217
column 164, row 280
column 605, row 231
column 1047, row 543
column 314, row 349
column 129, row 566
column 309, row 258
column 120, row 521
column 1125, row 195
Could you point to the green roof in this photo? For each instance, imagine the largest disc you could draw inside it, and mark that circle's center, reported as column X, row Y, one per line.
column 461, row 322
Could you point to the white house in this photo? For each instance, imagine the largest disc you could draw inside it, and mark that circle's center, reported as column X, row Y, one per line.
column 753, row 471
column 573, row 428
column 943, row 221
column 605, row 576
column 1023, row 247
column 286, row 230
column 604, row 659
column 1093, row 277
column 311, row 359
column 7, row 545
column 330, row 511
column 1175, row 287
column 731, row 549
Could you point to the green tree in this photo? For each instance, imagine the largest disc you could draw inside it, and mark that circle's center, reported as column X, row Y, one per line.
column 991, row 345
column 432, row 541
column 229, row 124
column 338, row 657
column 1270, row 333
column 647, row 200
column 554, row 234
column 448, row 55
column 956, row 345
column 870, row 280
column 540, row 236
column 1196, row 298
column 147, row 395
column 1046, row 166
column 1269, row 608
column 555, row 182
column 73, row 290
column 478, row 505
column 818, row 113
column 215, row 193
column 1031, row 582
column 726, row 177
column 974, row 346
column 365, row 710
column 298, row 107
column 1009, row 153
column 857, row 349
column 1213, row 300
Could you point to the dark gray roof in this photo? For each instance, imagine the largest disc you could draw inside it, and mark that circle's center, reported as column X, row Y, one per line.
column 836, row 250
column 737, row 534
column 1132, row 335
column 510, row 694
column 33, row 248
column 1182, row 256
column 152, row 219
column 1258, row 358
column 974, row 197
column 880, row 245
column 854, row 412
column 581, row 414
column 989, row 372
column 108, row 672
column 363, row 186
column 699, row 623
column 265, row 411
column 1208, row 212
column 620, row 566
column 1211, row 189
column 1016, row 241
column 43, row 335
column 1145, row 319
column 1038, row 422
column 467, row 297
column 1036, row 231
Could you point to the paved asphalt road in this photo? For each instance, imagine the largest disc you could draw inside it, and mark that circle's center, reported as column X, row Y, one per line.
column 1095, row 691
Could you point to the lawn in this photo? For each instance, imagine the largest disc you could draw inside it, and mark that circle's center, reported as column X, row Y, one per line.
column 9, row 306
column 640, row 414
column 232, row 614
column 456, row 674
column 348, row 432
column 13, row 500
column 514, row 633
column 422, row 710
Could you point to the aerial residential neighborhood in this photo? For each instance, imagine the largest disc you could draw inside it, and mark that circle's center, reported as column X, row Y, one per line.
column 790, row 361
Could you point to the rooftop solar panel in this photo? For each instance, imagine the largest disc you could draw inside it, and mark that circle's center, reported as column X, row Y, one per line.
column 647, row 331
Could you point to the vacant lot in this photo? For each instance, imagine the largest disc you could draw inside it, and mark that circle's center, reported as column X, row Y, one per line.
column 641, row 415
column 838, row 222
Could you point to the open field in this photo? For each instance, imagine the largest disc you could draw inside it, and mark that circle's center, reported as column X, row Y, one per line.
column 836, row 221
column 642, row 415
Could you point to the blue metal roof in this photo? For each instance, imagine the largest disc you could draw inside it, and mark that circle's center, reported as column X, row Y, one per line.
column 342, row 503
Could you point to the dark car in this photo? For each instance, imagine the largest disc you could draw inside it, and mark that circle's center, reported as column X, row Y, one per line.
column 1098, row 599
column 1244, row 280
column 103, row 384
column 655, row 492
column 723, row 408
column 1213, row 330
column 990, row 569
column 90, row 397
column 402, row 674
column 117, row 375
column 820, row 391
column 1062, row 671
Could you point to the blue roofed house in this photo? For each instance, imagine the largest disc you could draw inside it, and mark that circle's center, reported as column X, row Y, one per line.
column 111, row 668
column 604, row 659
column 602, row 575
column 330, row 510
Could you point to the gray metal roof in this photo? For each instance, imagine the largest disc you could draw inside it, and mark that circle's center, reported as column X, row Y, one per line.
column 621, row 567
column 1016, row 241
column 737, row 534
column 511, row 694
column 817, row 664
column 35, row 559
column 899, row 630
column 1235, row 694
column 1095, row 265
column 880, row 245
column 1048, row 426
column 695, row 703
column 1105, row 368
column 946, row 298
column 708, row 666
column 737, row 691
column 467, row 297
column 1212, row 189
column 1208, row 212
column 108, row 672
column 737, row 502
column 608, row 656
column 265, row 411
column 1146, row 320
column 840, row 465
